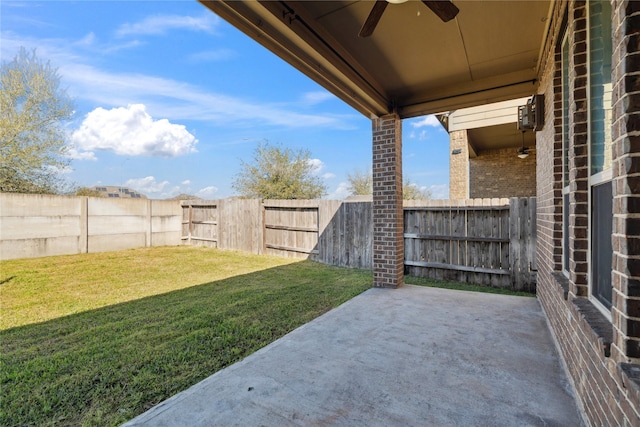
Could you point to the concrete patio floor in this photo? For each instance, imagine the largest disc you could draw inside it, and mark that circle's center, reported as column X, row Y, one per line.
column 412, row 356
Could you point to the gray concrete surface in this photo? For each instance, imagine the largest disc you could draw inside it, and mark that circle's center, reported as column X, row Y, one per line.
column 413, row 356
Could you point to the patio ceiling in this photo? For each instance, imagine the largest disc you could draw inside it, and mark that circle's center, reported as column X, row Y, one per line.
column 413, row 63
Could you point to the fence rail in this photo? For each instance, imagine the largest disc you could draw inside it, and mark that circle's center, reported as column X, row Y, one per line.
column 489, row 242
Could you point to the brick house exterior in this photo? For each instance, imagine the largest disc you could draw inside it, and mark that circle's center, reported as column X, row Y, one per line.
column 500, row 173
column 483, row 148
column 598, row 336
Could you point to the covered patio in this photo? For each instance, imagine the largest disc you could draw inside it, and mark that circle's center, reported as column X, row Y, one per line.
column 414, row 356
column 395, row 60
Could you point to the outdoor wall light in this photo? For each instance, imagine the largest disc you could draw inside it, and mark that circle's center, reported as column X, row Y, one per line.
column 457, row 151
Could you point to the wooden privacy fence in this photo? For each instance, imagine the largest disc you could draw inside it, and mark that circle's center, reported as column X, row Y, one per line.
column 490, row 242
column 484, row 242
column 328, row 231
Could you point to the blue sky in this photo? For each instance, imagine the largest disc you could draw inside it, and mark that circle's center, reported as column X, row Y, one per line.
column 170, row 98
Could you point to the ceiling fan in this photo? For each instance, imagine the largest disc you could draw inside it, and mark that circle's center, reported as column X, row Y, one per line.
column 444, row 9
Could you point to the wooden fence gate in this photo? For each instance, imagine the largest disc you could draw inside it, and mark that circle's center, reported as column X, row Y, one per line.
column 200, row 224
column 291, row 231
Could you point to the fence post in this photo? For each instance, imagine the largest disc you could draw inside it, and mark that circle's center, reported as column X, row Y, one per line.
column 83, row 241
column 149, row 231
column 190, row 222
column 263, row 225
column 514, row 244
column 522, row 242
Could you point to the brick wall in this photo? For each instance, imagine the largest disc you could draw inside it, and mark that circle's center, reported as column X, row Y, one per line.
column 591, row 345
column 578, row 151
column 501, row 173
column 388, row 238
column 459, row 165
column 626, row 185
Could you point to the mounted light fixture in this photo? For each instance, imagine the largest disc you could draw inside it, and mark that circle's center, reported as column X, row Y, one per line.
column 531, row 115
column 523, row 152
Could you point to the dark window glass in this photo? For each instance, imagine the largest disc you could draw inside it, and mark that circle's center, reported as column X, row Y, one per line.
column 601, row 250
column 565, row 232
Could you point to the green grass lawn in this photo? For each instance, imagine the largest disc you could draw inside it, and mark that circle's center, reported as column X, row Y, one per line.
column 97, row 339
column 459, row 286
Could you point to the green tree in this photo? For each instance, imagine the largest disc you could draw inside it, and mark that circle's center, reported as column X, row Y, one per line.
column 86, row 191
column 411, row 191
column 361, row 184
column 33, row 108
column 278, row 173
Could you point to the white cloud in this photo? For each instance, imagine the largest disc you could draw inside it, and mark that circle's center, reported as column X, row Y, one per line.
column 156, row 189
column 422, row 135
column 147, row 185
column 121, row 46
column 87, row 40
column 329, row 175
column 90, row 42
column 132, row 131
column 163, row 97
column 340, row 192
column 429, row 120
column 316, row 165
column 183, row 101
column 73, row 153
column 161, row 24
column 313, row 98
column 207, row 192
column 212, row 55
column 439, row 191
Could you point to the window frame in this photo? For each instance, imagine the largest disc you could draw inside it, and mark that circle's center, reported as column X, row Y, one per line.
column 595, row 179
column 565, row 48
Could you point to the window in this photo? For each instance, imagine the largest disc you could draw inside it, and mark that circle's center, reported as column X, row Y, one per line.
column 565, row 155
column 600, row 153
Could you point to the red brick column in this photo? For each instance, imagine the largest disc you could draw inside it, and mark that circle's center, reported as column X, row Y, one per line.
column 388, row 240
column 625, row 311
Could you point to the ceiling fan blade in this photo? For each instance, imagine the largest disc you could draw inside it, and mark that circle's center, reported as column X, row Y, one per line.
column 373, row 18
column 444, row 9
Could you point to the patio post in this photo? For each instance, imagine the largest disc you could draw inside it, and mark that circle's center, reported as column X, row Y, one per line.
column 388, row 239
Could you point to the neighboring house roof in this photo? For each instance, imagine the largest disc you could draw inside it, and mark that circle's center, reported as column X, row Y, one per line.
column 113, row 191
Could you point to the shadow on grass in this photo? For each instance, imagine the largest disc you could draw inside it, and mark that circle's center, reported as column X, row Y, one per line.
column 105, row 366
column 7, row 280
